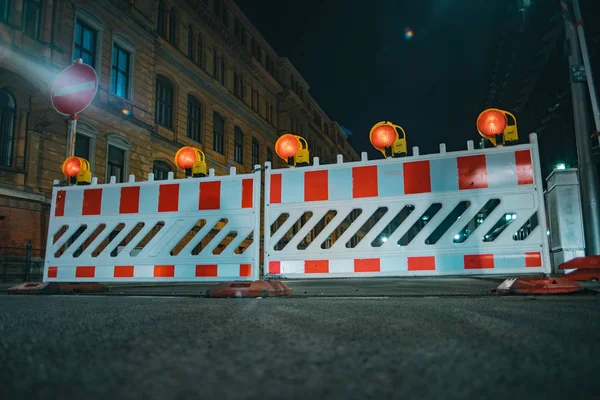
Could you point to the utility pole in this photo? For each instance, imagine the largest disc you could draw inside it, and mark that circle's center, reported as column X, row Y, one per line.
column 588, row 175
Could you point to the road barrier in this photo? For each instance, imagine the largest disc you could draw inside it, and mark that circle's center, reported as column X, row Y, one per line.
column 184, row 230
column 470, row 212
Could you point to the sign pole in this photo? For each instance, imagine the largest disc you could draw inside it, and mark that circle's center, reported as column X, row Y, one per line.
column 72, row 134
column 589, row 183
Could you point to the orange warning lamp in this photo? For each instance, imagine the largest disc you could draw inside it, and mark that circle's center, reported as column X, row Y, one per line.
column 293, row 149
column 497, row 126
column 191, row 160
column 389, row 139
column 77, row 171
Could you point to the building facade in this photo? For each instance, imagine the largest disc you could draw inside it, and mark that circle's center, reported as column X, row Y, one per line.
column 171, row 73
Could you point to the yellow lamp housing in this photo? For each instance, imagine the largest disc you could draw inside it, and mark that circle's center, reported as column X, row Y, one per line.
column 511, row 133
column 192, row 161
column 399, row 145
column 77, row 171
column 302, row 157
column 84, row 177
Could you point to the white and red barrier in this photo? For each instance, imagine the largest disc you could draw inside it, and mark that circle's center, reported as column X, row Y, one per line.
column 509, row 176
column 151, row 231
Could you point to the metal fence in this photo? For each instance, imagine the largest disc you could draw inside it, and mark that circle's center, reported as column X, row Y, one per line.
column 19, row 264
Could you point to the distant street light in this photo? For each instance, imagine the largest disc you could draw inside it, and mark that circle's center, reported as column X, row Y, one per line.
column 560, row 167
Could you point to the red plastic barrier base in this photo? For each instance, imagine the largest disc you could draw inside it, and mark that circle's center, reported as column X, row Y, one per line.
column 538, row 286
column 586, row 268
column 250, row 289
column 58, row 288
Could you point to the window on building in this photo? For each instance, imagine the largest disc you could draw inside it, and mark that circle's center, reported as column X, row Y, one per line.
column 218, row 8
column 245, row 38
column 115, row 165
column 200, row 50
column 83, row 146
column 269, row 154
column 163, row 114
column 85, row 43
column 218, row 133
column 254, row 48
column 121, row 60
column 225, row 16
column 238, row 145
column 241, row 86
column 32, row 17
column 222, row 74
column 5, row 11
column 161, row 20
column 7, row 127
column 161, row 170
column 236, row 83
column 191, row 41
column 272, row 114
column 194, row 119
column 326, row 129
column 215, row 63
column 237, row 29
column 255, row 152
column 173, row 26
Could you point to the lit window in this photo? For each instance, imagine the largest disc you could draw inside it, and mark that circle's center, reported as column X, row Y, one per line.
column 85, row 43
column 120, row 71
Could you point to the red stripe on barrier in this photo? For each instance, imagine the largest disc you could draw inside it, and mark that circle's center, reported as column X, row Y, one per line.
column 247, row 193
column 275, row 195
column 364, row 182
column 123, row 271
column 164, row 271
column 245, row 269
column 92, row 202
column 417, row 177
column 472, row 172
column 52, row 272
column 61, row 196
column 274, row 267
column 85, row 272
column 130, row 200
column 367, row 265
column 316, row 267
column 421, row 263
column 533, row 260
column 524, row 167
column 210, row 195
column 479, row 261
column 207, row 270
column 316, row 185
column 168, row 197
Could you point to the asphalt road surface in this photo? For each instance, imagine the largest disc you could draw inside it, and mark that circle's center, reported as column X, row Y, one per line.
column 131, row 347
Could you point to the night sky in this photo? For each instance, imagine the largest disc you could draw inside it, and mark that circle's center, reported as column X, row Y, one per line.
column 362, row 70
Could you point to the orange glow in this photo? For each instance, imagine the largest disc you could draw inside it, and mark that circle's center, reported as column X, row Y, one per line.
column 491, row 123
column 383, row 136
column 287, row 146
column 186, row 157
column 71, row 166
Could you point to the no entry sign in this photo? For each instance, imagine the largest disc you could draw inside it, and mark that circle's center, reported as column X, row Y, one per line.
column 74, row 88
